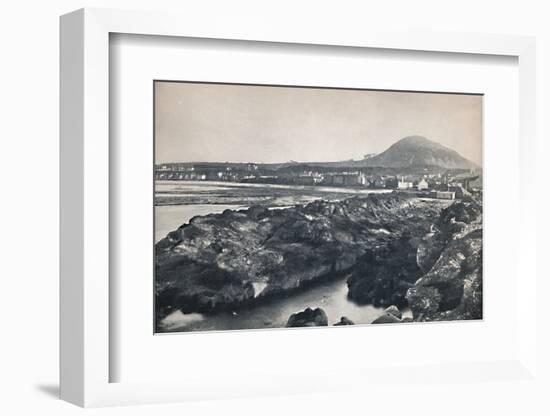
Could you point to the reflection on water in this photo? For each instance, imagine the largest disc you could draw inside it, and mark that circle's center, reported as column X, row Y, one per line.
column 329, row 296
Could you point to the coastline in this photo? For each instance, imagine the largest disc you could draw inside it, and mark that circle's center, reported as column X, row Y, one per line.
column 256, row 256
column 238, row 259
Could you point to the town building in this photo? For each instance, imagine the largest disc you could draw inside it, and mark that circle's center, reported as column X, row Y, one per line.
column 459, row 190
column 442, row 194
column 403, row 184
column 422, row 185
column 305, row 180
column 345, row 179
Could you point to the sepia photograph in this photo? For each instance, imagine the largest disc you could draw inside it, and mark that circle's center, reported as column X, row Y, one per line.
column 294, row 206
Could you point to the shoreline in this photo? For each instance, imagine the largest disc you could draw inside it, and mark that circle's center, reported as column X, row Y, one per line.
column 216, row 193
column 291, row 248
column 322, row 188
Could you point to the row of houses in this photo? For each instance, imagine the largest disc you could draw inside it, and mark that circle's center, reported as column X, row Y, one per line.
column 197, row 176
column 360, row 179
column 438, row 186
column 438, row 190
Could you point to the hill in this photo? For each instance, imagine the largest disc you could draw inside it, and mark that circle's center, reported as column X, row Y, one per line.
column 417, row 151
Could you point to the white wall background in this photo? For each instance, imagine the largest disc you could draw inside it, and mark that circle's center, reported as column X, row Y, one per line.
column 29, row 209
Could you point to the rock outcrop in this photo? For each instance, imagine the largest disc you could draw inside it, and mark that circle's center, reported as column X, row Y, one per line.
column 391, row 315
column 383, row 275
column 308, row 317
column 213, row 262
column 393, row 310
column 344, row 321
column 451, row 256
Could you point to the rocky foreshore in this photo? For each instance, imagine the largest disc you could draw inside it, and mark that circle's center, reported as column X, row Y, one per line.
column 383, row 275
column 451, row 259
column 224, row 261
column 308, row 317
column 448, row 262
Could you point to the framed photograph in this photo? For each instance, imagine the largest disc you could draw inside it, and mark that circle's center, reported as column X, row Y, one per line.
column 268, row 218
column 239, row 205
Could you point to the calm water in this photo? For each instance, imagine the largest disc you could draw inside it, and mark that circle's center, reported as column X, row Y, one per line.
column 201, row 186
column 330, row 296
column 170, row 217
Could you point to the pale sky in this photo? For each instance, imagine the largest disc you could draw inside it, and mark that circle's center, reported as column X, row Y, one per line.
column 241, row 123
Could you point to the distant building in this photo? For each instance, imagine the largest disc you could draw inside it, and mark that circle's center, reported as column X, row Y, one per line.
column 423, row 184
column 350, row 180
column 305, row 180
column 355, row 179
column 442, row 194
column 390, row 182
column 459, row 190
column 337, row 179
column 403, row 184
column 377, row 183
column 346, row 179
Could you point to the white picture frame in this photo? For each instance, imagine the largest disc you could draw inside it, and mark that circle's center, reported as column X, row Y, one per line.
column 85, row 164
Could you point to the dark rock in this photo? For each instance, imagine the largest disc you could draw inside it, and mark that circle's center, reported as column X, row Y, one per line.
column 458, row 218
column 344, row 321
column 382, row 276
column 393, row 310
column 424, row 299
column 391, row 315
column 308, row 317
column 428, row 251
column 387, row 318
column 211, row 263
column 256, row 212
column 451, row 289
